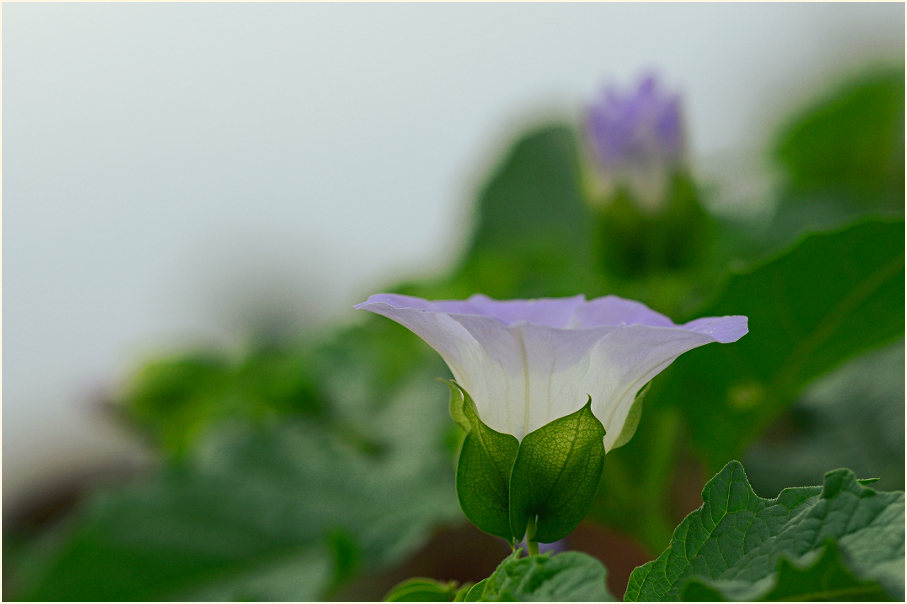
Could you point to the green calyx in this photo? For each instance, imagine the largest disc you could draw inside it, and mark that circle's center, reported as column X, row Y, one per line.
column 546, row 482
column 484, row 467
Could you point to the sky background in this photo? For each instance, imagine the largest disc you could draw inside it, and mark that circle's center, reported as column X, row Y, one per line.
column 170, row 172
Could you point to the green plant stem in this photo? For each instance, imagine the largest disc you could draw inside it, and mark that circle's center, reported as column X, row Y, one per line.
column 657, row 480
column 530, row 536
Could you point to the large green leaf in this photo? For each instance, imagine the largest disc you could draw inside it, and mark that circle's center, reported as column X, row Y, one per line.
column 565, row 577
column 555, row 476
column 281, row 512
column 533, row 233
column 742, row 546
column 827, row 299
column 825, row 579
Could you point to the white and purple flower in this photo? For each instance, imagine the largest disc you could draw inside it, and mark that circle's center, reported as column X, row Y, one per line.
column 526, row 363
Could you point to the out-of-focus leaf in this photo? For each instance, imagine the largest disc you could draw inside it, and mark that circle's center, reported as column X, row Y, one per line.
column 267, row 512
column 359, row 366
column 853, row 417
column 820, row 303
column 635, row 497
column 533, row 236
column 423, row 590
column 173, row 398
column 565, row 577
column 841, row 540
column 176, row 400
column 633, row 242
column 850, row 145
column 841, row 157
column 810, row 214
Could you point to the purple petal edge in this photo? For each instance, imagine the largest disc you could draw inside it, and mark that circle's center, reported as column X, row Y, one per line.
column 606, row 310
column 724, row 330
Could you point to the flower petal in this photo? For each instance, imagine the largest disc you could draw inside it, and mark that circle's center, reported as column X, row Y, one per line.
column 612, row 310
column 553, row 312
column 439, row 331
column 722, row 329
column 629, row 357
column 524, row 377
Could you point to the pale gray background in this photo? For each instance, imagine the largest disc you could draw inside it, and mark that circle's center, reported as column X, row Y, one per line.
column 167, row 169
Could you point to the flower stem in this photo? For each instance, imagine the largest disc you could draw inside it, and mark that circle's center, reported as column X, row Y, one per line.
column 530, row 537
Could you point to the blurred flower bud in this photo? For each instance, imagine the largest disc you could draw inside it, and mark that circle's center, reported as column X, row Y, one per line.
column 555, row 548
column 637, row 139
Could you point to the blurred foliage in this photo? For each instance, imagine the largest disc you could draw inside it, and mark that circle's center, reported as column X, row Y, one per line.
column 533, row 233
column 425, row 590
column 291, row 467
column 813, row 306
column 840, row 158
column 634, row 242
column 176, row 400
column 828, row 298
column 850, row 144
column 853, row 418
column 284, row 511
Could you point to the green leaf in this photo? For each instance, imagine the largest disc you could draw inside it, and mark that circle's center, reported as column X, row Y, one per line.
column 463, row 592
column 850, row 143
column 458, row 398
column 176, row 400
column 565, row 577
column 809, row 542
column 827, row 299
column 534, row 231
column 423, row 590
column 474, row 594
column 843, row 157
column 172, row 399
column 853, row 417
column 825, row 579
column 633, row 242
column 555, row 476
column 279, row 512
column 483, row 469
column 632, row 421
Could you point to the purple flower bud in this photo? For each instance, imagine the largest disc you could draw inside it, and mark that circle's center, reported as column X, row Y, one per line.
column 637, row 136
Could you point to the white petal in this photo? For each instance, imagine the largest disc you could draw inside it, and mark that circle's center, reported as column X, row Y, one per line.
column 439, row 331
column 525, row 377
column 625, row 361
